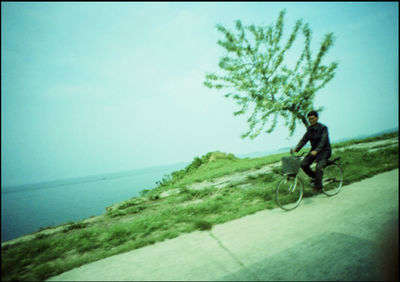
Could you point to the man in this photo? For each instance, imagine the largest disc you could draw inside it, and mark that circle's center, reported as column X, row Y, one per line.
column 317, row 134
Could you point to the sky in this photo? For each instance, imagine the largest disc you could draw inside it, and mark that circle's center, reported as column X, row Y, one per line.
column 101, row 87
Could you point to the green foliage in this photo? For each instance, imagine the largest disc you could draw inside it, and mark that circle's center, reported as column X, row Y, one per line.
column 358, row 164
column 132, row 202
column 39, row 246
column 277, row 170
column 77, row 225
column 263, row 177
column 118, row 233
column 127, row 209
column 165, row 180
column 190, row 194
column 254, row 193
column 41, row 236
column 207, row 158
column 212, row 158
column 144, row 192
column 256, row 76
column 366, row 140
column 202, row 224
column 44, row 271
column 155, row 195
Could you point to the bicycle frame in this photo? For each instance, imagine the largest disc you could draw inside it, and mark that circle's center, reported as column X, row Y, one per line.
column 295, row 184
column 333, row 161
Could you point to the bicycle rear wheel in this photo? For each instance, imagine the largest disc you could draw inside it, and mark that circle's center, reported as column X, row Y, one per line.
column 332, row 179
column 289, row 192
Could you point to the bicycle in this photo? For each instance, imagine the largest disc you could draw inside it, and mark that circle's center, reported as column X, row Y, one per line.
column 289, row 191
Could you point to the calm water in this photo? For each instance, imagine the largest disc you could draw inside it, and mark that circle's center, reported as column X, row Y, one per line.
column 25, row 211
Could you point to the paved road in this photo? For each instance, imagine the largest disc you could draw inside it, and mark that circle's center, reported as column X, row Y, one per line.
column 352, row 236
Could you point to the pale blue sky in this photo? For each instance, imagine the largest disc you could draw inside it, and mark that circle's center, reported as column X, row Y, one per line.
column 90, row 88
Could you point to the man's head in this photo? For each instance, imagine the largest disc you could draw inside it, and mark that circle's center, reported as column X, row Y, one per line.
column 312, row 117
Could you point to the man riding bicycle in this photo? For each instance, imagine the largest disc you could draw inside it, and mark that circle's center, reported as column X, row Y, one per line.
column 317, row 134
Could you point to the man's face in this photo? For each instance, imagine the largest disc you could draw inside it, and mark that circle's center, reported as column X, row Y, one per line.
column 313, row 120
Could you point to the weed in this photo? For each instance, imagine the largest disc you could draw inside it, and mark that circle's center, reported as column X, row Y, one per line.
column 144, row 192
column 85, row 245
column 154, row 196
column 132, row 202
column 135, row 209
column 43, row 271
column 268, row 177
column 117, row 232
column 203, row 224
column 41, row 236
column 252, row 177
column 117, row 213
column 39, row 246
column 77, row 225
column 170, row 234
column 253, row 193
column 277, row 170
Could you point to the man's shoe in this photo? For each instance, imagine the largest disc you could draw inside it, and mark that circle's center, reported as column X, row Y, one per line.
column 316, row 190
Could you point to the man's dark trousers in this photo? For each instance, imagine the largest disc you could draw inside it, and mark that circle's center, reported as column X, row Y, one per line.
column 322, row 159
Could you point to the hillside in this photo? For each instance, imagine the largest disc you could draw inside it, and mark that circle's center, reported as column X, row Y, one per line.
column 213, row 189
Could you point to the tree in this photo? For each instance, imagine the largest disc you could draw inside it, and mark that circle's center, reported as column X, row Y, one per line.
column 256, row 77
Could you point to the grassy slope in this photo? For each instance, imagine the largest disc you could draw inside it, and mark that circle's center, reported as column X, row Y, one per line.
column 151, row 218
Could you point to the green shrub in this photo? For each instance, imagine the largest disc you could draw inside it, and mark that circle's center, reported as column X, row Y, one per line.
column 197, row 162
column 206, row 208
column 77, row 225
column 205, row 192
column 132, row 202
column 169, row 234
column 40, row 236
column 135, row 209
column 117, row 213
column 84, row 245
column 164, row 181
column 277, row 170
column 117, row 234
column 39, row 246
column 144, row 192
column 263, row 178
column 268, row 177
column 43, row 271
column 202, row 224
column 154, row 195
column 254, row 193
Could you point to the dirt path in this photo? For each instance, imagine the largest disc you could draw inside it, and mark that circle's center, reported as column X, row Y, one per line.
column 325, row 238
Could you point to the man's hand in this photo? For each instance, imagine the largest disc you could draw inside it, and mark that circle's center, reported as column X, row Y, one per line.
column 314, row 153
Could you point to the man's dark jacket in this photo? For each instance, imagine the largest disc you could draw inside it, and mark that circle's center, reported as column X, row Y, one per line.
column 318, row 137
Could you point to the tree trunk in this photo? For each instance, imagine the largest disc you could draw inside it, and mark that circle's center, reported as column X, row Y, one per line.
column 304, row 120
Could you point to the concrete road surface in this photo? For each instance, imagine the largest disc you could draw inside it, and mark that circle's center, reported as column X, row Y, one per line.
column 352, row 236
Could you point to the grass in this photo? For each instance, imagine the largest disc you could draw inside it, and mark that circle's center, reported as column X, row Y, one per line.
column 366, row 140
column 145, row 220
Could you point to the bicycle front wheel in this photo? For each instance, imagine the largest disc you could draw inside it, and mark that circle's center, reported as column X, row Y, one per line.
column 289, row 192
column 332, row 179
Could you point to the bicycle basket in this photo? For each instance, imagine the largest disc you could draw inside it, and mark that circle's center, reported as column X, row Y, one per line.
column 290, row 165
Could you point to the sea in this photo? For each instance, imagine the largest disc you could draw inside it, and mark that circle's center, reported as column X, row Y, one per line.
column 28, row 208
